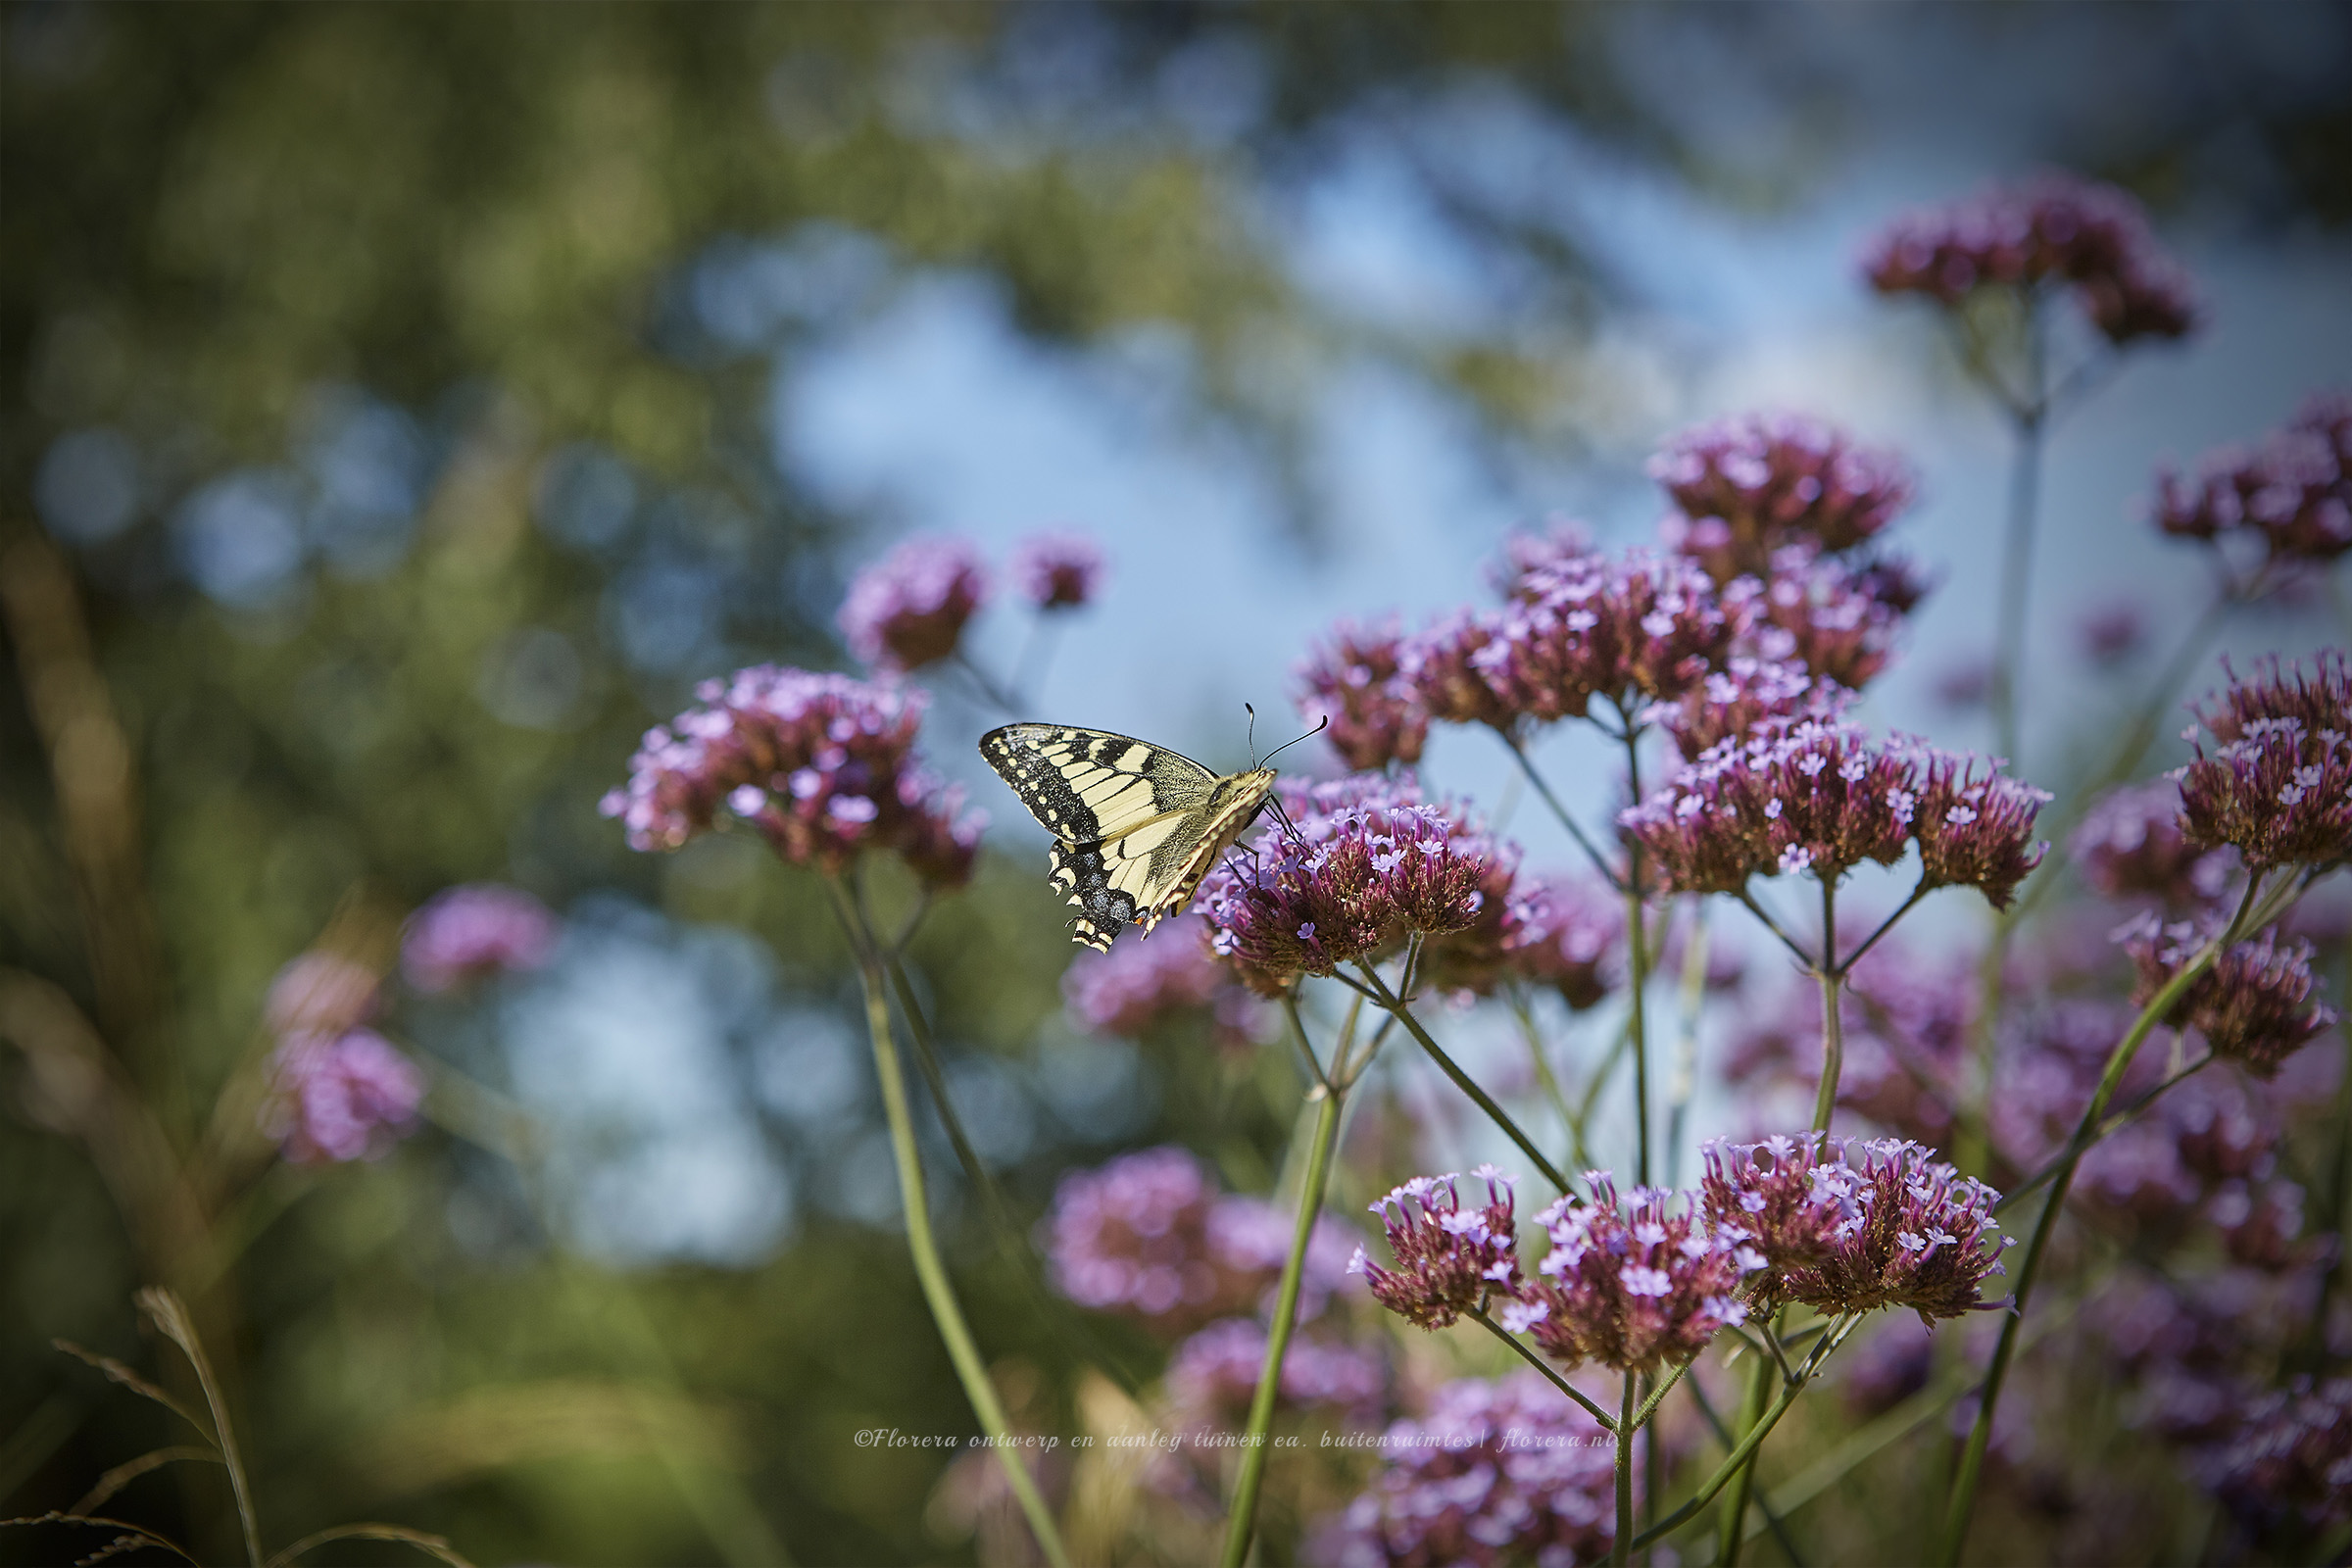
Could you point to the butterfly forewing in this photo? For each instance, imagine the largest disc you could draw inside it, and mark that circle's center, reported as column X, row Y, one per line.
column 1138, row 825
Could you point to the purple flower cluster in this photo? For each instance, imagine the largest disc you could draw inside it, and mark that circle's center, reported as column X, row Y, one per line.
column 320, row 993
column 2289, row 1453
column 908, row 609
column 1058, row 570
column 1501, row 1472
column 2292, row 493
column 341, row 1097
column 823, row 766
column 2131, row 846
column 1564, row 933
column 1150, row 1236
column 1450, row 1259
column 1900, row 1228
column 1745, row 488
column 1633, row 628
column 1444, row 666
column 1823, row 798
column 1368, row 861
column 1135, row 985
column 1744, row 697
column 1837, row 620
column 481, row 928
column 2254, row 1006
column 1357, row 679
column 2278, row 785
column 1212, row 1375
column 1632, row 1286
column 2055, row 229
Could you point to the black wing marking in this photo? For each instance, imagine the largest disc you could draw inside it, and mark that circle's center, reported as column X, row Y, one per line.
column 1088, row 785
column 1080, row 870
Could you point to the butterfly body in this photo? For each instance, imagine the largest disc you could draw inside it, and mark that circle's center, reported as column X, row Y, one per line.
column 1135, row 825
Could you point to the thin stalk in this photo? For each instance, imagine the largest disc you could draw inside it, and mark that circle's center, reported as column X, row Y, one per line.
column 1637, row 982
column 1731, row 1533
column 1691, row 1004
column 1734, row 1463
column 1243, row 1518
column 1527, row 765
column 1290, row 1013
column 2016, row 550
column 1621, row 1546
column 1609, row 1423
column 1833, row 1019
column 1723, row 1435
column 1593, row 1087
column 1545, row 1079
column 1868, row 942
column 1774, row 926
column 1461, row 1080
column 2113, row 1124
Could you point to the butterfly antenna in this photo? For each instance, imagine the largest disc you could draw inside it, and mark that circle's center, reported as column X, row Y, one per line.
column 1252, row 712
column 1287, row 745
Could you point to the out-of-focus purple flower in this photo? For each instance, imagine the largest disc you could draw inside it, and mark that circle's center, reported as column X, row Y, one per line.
column 908, row 609
column 2278, row 784
column 1743, row 696
column 1632, row 1286
column 1742, row 487
column 341, row 1097
column 1442, row 665
column 1886, row 1368
column 1823, row 797
column 2113, row 633
column 2261, row 1223
column 1056, row 570
column 1795, row 1205
column 2253, row 1007
column 2290, row 1455
column 822, row 765
column 2131, row 846
column 1501, row 1472
column 1127, row 989
column 1564, row 932
column 2292, row 493
column 2050, row 230
column 1634, row 629
column 481, row 928
column 320, row 993
column 1369, row 861
column 1355, row 678
column 1966, row 685
column 1826, row 615
column 1213, row 1375
column 1449, row 1259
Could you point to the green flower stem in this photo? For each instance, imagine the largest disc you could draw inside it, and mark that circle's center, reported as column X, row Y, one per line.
column 2113, row 1124
column 2016, row 550
column 1527, row 765
column 1833, row 1019
column 1621, row 1545
column 1732, row 1528
column 1734, row 1463
column 1608, row 1422
column 1405, row 1015
column 1243, row 1520
column 937, row 1292
column 1638, row 980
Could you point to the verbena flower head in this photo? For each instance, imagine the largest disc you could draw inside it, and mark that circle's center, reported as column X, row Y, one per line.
column 2055, row 230
column 1795, row 1202
column 2131, row 846
column 481, row 928
column 320, row 993
column 1449, row 1259
column 1831, row 617
column 2290, row 1455
column 823, row 766
column 1369, row 861
column 2278, row 784
column 341, row 1097
column 1133, row 985
column 2293, row 494
column 1442, row 663
column 908, row 609
column 1213, row 1376
column 1500, row 1472
column 1743, row 488
column 1565, row 932
column 1633, row 1286
column 1632, row 628
column 2254, row 1005
column 1746, row 695
column 1355, row 678
column 1058, row 570
column 1821, row 797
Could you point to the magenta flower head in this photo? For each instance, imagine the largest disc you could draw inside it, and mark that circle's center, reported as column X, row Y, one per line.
column 1632, row 1286
column 1357, row 679
column 908, row 609
column 343, row 1096
column 1795, row 1205
column 1056, row 570
column 1212, row 1375
column 1743, row 488
column 2291, row 495
column 824, row 766
column 1564, row 932
column 482, row 928
column 1369, row 863
column 1133, row 985
column 2131, row 846
column 1442, row 663
column 2052, row 231
column 2278, row 785
column 1636, row 628
column 1823, row 798
column 1449, row 1259
column 1834, row 619
column 1501, row 1472
column 320, row 993
column 2253, row 1007
column 1740, row 699
column 2290, row 1455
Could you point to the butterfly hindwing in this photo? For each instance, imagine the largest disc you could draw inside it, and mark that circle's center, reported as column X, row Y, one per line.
column 1138, row 825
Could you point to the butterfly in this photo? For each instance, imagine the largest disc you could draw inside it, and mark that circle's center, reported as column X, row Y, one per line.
column 1136, row 826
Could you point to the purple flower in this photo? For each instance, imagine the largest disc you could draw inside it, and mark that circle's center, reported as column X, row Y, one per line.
column 2293, row 494
column 823, row 766
column 1795, row 1207
column 1368, row 862
column 1823, row 798
column 908, row 609
column 1450, row 1259
column 1831, row 619
column 1744, row 697
column 1442, row 666
column 1564, row 932
column 2290, row 1454
column 1134, row 985
column 1631, row 630
column 1054, row 571
column 2131, row 846
column 2278, row 784
column 1743, row 488
column 2253, row 1007
column 2113, row 633
column 1357, row 679
column 1501, row 1472
column 2053, row 231
column 1633, row 1286
column 1213, row 1375
column 481, row 928
column 341, row 1097
column 320, row 993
